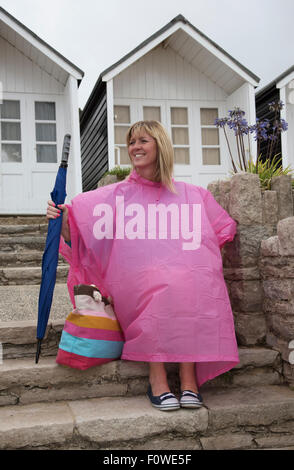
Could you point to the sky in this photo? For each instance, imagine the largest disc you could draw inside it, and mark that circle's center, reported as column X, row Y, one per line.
column 94, row 34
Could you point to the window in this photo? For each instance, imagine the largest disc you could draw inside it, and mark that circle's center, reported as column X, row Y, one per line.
column 209, row 137
column 180, row 135
column 46, row 141
column 10, row 131
column 122, row 122
column 151, row 113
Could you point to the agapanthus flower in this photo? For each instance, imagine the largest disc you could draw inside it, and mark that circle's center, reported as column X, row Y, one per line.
column 276, row 105
column 220, row 122
column 280, row 126
column 236, row 113
column 260, row 129
column 273, row 137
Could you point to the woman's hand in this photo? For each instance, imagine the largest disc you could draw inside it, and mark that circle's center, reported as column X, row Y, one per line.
column 53, row 212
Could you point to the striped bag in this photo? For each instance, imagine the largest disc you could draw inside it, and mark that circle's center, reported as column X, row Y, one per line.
column 91, row 334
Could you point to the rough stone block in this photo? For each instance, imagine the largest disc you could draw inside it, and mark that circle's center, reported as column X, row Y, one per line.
column 278, row 307
column 35, row 425
column 279, row 289
column 108, row 179
column 246, row 296
column 257, row 376
column 275, row 441
column 227, row 441
column 109, row 420
column 257, row 357
column 236, row 274
column 276, row 267
column 249, row 406
column 270, row 246
column 132, row 369
column 270, row 207
column 224, row 194
column 281, row 326
column 285, row 230
column 213, row 187
column 283, row 186
column 250, row 328
column 245, row 248
column 245, row 199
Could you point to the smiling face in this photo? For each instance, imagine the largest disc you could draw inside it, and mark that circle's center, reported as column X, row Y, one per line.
column 142, row 150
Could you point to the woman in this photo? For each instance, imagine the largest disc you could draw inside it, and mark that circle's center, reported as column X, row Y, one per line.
column 159, row 259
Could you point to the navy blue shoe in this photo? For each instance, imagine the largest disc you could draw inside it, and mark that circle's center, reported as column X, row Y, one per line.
column 189, row 399
column 164, row 402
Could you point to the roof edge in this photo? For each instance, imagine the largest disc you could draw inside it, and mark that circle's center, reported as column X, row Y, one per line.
column 276, row 80
column 177, row 19
column 44, row 43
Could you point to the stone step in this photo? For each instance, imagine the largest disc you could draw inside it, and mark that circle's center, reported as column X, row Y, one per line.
column 23, row 381
column 19, row 303
column 242, row 418
column 22, row 243
column 18, row 337
column 22, row 219
column 17, row 230
column 23, row 258
column 29, row 275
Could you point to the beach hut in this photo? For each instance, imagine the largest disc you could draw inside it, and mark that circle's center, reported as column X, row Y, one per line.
column 177, row 76
column 38, row 105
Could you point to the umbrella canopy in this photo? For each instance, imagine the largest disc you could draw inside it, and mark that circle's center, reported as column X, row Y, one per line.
column 50, row 255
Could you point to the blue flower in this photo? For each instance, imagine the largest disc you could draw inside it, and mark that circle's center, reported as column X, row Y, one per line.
column 220, row 122
column 276, row 105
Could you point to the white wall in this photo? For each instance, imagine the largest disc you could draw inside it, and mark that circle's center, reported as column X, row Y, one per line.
column 20, row 74
column 72, row 126
column 287, row 137
column 164, row 78
column 244, row 99
column 25, row 186
column 163, row 74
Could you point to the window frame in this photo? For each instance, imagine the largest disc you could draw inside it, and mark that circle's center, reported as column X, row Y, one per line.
column 8, row 142
column 203, row 146
column 45, row 121
column 117, row 147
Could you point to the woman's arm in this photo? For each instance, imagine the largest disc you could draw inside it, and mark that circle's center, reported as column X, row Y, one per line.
column 53, row 212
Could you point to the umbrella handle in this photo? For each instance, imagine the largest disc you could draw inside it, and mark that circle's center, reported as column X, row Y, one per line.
column 65, row 150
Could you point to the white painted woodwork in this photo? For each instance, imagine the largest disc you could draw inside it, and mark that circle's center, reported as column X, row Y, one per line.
column 30, row 71
column 110, row 124
column 36, row 50
column 163, row 74
column 72, row 126
column 244, row 99
column 287, row 138
column 164, row 78
column 20, row 74
column 197, row 50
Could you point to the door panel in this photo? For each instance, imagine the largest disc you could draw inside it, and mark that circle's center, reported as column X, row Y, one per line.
column 27, row 176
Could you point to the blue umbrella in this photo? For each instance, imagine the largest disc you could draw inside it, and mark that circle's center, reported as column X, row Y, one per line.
column 50, row 255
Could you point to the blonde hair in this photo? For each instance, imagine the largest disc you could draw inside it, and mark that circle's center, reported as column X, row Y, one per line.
column 165, row 152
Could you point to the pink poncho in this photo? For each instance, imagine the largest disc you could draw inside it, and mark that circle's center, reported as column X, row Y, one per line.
column 157, row 254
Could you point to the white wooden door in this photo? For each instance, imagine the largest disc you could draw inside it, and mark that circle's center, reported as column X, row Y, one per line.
column 177, row 117
column 31, row 135
column 199, row 147
column 13, row 164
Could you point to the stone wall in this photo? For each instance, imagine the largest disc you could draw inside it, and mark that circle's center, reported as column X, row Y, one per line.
column 277, row 271
column 258, row 264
